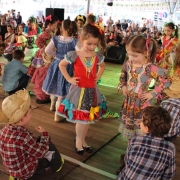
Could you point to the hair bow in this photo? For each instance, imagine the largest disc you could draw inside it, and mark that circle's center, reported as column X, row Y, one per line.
column 49, row 17
column 80, row 17
column 99, row 28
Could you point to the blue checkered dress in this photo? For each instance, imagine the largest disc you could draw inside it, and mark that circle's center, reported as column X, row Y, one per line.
column 173, row 107
column 149, row 158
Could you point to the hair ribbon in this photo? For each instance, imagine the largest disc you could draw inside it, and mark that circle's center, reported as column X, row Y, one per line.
column 49, row 17
column 99, row 28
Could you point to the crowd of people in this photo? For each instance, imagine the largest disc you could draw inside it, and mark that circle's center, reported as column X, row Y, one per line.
column 67, row 60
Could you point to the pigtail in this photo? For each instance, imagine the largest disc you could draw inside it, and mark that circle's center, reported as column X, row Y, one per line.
column 176, row 31
column 152, row 50
column 72, row 31
column 102, row 47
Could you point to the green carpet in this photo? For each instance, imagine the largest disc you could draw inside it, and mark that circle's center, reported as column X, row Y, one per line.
column 111, row 75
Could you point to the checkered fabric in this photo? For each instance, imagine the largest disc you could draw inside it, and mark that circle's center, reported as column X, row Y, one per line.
column 149, row 158
column 20, row 151
column 172, row 106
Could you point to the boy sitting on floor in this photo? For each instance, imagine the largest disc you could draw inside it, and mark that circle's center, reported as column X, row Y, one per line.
column 15, row 74
column 22, row 154
column 150, row 157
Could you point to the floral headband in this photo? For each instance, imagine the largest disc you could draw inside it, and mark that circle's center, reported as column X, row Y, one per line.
column 99, row 28
column 49, row 17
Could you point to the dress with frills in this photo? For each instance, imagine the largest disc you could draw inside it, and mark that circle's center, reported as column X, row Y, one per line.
column 84, row 104
column 55, row 83
column 138, row 80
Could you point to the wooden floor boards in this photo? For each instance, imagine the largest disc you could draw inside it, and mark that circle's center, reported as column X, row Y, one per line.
column 103, row 136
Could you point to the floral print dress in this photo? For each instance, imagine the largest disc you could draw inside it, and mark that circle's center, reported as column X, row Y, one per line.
column 138, row 80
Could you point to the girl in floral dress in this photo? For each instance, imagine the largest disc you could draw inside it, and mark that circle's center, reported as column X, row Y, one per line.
column 83, row 105
column 136, row 76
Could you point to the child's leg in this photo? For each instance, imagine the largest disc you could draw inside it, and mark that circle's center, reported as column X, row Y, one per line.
column 58, row 102
column 23, row 82
column 79, row 135
column 53, row 103
column 57, row 161
column 85, row 129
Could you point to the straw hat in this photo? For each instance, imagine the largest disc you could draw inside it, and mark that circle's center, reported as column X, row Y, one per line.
column 14, row 107
column 174, row 90
column 21, row 39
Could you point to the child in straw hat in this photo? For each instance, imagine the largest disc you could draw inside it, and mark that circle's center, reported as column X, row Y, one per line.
column 22, row 154
column 15, row 74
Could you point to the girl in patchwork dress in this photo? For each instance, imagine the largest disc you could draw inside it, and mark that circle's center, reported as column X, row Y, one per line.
column 136, row 76
column 84, row 104
column 55, row 84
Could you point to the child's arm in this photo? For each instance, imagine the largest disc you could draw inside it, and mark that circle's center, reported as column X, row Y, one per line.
column 100, row 71
column 123, row 80
column 62, row 67
column 50, row 49
column 34, row 148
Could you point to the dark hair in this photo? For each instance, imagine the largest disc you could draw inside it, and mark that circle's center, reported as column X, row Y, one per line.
column 58, row 29
column 174, row 27
column 91, row 19
column 157, row 119
column 137, row 43
column 90, row 30
column 50, row 20
column 18, row 54
column 9, row 26
column 70, row 27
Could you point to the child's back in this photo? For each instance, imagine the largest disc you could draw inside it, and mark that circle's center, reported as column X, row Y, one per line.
column 12, row 73
column 149, row 158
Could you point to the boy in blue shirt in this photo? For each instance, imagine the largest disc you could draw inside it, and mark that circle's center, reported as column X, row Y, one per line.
column 15, row 74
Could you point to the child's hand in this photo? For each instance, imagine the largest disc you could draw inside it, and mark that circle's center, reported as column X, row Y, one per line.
column 40, row 129
column 74, row 80
column 146, row 96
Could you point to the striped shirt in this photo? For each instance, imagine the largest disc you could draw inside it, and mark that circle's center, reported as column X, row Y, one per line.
column 149, row 158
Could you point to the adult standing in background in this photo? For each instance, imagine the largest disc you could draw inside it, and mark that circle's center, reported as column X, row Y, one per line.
column 3, row 28
column 18, row 18
column 109, row 22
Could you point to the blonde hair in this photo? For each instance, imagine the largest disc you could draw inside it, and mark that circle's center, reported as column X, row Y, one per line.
column 177, row 56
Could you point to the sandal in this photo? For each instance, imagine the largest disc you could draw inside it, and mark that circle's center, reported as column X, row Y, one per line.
column 110, row 114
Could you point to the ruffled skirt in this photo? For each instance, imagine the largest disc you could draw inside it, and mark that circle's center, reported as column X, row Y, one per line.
column 83, row 105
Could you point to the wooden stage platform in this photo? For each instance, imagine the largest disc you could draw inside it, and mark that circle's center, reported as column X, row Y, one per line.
column 103, row 136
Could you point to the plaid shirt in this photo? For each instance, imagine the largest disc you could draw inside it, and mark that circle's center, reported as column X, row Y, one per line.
column 172, row 106
column 20, row 151
column 149, row 158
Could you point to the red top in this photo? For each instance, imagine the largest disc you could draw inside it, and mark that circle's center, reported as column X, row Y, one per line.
column 87, row 79
column 165, row 41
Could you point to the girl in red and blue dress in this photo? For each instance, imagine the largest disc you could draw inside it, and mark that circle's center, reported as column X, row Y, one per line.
column 84, row 104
